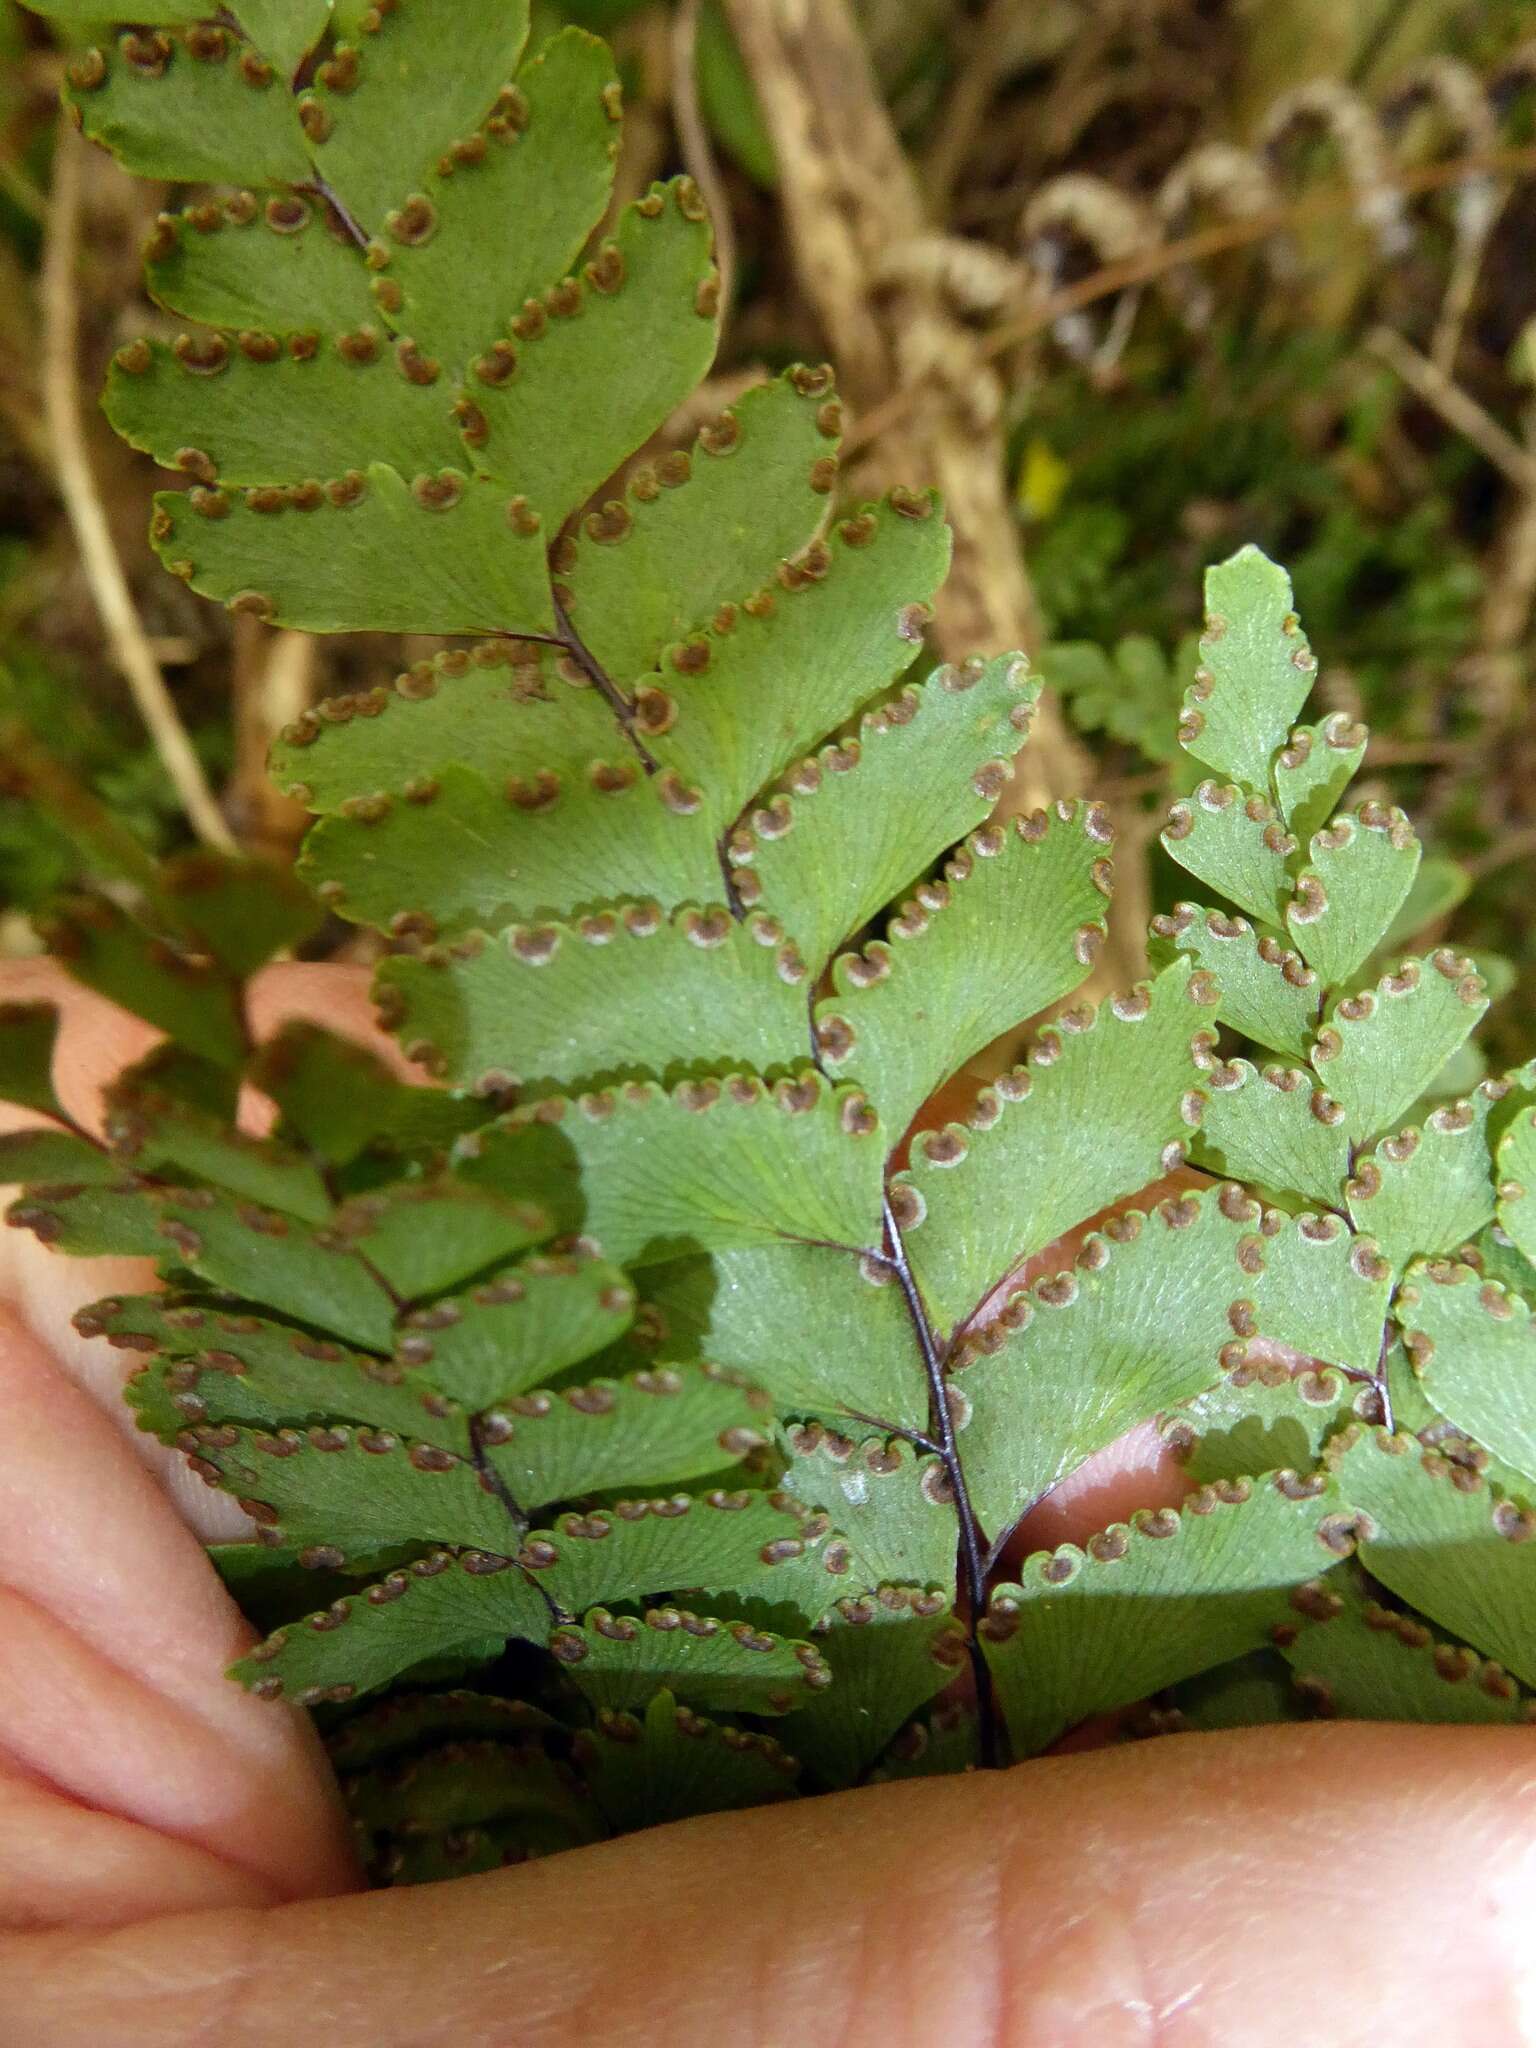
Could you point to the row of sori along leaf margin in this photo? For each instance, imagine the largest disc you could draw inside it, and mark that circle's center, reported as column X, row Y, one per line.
column 644, row 1373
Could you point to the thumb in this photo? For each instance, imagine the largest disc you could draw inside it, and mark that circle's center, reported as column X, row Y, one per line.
column 1341, row 1885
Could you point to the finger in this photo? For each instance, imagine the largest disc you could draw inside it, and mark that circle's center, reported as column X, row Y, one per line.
column 1338, row 1885
column 114, row 1640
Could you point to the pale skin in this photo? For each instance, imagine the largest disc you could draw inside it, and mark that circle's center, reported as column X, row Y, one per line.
column 174, row 1872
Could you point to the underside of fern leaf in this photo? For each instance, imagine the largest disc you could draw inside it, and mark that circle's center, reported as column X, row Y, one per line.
column 671, row 1359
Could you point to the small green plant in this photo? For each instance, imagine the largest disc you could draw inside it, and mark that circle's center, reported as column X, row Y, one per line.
column 637, row 1424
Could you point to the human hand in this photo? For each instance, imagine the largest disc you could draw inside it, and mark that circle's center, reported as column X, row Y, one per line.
column 174, row 1870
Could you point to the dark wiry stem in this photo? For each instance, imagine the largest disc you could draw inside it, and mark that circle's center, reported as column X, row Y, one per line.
column 498, row 1489
column 948, row 1451
column 334, row 200
column 603, row 683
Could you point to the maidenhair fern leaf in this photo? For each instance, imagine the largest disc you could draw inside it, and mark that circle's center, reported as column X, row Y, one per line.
column 1009, row 929
column 851, row 825
column 620, row 1661
column 1379, row 1050
column 889, row 1652
column 518, row 1329
column 627, row 992
column 833, row 628
column 891, row 1507
column 1517, row 1182
column 1143, row 1606
column 1473, row 1346
column 1237, row 844
column 1103, row 1107
column 675, row 1423
column 436, row 1607
column 1358, row 1659
column 1441, row 1536
column 714, row 1164
column 1256, row 670
column 28, row 1034
column 691, row 538
column 1358, row 876
column 674, row 1763
column 1277, row 1128
column 1259, row 1419
column 1430, row 1188
column 380, row 1488
column 1314, row 768
column 740, row 1543
column 1142, row 1323
column 1264, row 989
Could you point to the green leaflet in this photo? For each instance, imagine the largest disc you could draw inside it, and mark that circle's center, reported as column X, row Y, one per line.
column 1441, row 1537
column 1313, row 770
column 433, row 1608
column 399, row 87
column 1277, row 1128
column 28, row 1032
column 408, row 1721
column 890, row 1508
column 1265, row 990
column 183, row 994
column 338, row 408
column 675, row 1764
column 281, row 265
column 214, row 1367
column 1379, row 1050
column 851, row 825
column 889, row 1652
column 1143, row 1323
column 1256, row 671
column 423, row 1236
column 284, row 30
column 252, row 1252
column 1249, row 1692
column 242, row 911
column 340, row 1100
column 1359, row 1660
column 1250, row 1423
column 191, row 106
column 835, row 627
column 506, row 707
column 1360, row 871
column 1146, row 1605
column 469, row 1784
column 677, row 1422
column 1009, row 929
column 613, row 353
column 626, row 993
column 695, row 533
column 1473, row 1346
column 727, row 1542
column 823, row 1332
column 1102, row 1109
column 57, row 1157
column 458, row 853
column 518, row 1330
column 621, row 1661
column 1234, row 841
column 364, row 551
column 1517, row 1182
column 149, row 1132
column 720, row 1163
column 1315, row 1288
column 1430, row 1188
column 508, row 208
column 377, row 1487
